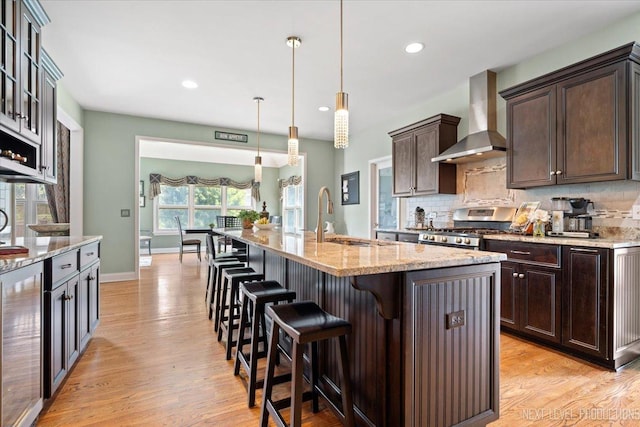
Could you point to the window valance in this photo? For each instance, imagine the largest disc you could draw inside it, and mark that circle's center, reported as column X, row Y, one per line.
column 292, row 180
column 156, row 179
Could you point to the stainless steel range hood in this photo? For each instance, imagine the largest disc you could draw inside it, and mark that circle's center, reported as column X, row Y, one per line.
column 483, row 141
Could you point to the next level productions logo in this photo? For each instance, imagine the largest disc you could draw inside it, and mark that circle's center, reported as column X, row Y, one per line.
column 591, row 414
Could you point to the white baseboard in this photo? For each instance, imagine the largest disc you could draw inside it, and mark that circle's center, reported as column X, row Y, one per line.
column 118, row 277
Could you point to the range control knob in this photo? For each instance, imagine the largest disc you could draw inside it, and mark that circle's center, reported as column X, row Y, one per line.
column 443, row 239
column 432, row 237
column 467, row 241
column 458, row 239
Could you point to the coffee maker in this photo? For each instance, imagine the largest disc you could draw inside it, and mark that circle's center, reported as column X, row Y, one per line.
column 570, row 217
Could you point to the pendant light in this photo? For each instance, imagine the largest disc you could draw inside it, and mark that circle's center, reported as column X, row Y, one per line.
column 292, row 147
column 258, row 164
column 341, row 121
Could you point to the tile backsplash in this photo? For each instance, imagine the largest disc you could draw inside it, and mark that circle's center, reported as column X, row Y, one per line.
column 484, row 183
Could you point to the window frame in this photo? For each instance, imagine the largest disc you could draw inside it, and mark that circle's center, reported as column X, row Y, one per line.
column 297, row 208
column 191, row 207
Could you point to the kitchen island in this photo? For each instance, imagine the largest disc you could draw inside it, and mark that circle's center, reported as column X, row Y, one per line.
column 424, row 348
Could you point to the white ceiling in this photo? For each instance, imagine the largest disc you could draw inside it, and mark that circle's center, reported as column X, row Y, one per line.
column 131, row 56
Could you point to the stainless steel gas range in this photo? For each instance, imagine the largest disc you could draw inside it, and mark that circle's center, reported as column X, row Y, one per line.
column 469, row 225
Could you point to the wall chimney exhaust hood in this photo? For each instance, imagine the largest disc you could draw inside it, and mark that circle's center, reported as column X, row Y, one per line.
column 483, row 141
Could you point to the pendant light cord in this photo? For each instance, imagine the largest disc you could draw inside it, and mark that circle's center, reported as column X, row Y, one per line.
column 258, row 127
column 293, row 80
column 340, row 45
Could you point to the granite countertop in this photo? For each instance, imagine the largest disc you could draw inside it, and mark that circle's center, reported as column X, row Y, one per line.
column 362, row 258
column 41, row 248
column 597, row 242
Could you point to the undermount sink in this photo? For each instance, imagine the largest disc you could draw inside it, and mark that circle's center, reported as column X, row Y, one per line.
column 352, row 241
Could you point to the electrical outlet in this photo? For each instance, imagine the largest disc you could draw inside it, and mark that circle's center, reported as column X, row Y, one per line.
column 125, row 213
column 635, row 211
column 455, row 319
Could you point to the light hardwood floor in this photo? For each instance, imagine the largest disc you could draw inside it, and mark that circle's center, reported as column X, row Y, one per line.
column 154, row 361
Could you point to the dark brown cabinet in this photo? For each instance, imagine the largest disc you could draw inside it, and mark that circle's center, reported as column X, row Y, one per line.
column 28, row 101
column 413, row 147
column 71, row 310
column 62, row 332
column 573, row 125
column 530, row 291
column 586, row 300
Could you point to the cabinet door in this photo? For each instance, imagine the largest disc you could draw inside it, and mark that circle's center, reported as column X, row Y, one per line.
column 94, row 297
column 73, row 316
column 9, row 69
column 426, row 172
column 30, row 77
column 508, row 295
column 57, row 337
column 540, row 301
column 585, row 300
column 403, row 159
column 84, row 321
column 408, row 237
column 49, row 150
column 531, row 139
column 592, row 131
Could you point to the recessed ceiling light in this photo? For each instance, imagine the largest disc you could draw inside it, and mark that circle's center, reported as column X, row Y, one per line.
column 189, row 84
column 323, row 109
column 414, row 47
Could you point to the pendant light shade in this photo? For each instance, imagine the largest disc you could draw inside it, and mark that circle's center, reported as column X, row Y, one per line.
column 292, row 146
column 258, row 163
column 341, row 119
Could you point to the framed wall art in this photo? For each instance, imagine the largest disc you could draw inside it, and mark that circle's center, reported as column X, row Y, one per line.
column 350, row 188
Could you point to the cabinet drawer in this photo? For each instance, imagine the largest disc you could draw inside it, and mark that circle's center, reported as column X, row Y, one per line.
column 63, row 265
column 382, row 235
column 88, row 254
column 531, row 253
column 408, row 237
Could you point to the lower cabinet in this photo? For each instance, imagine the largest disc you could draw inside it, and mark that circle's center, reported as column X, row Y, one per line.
column 21, row 334
column 62, row 331
column 586, row 300
column 71, row 310
column 530, row 300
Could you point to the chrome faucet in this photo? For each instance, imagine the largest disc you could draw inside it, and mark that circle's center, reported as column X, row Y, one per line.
column 319, row 229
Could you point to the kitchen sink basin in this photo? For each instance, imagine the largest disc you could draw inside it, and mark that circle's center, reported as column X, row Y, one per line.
column 352, row 241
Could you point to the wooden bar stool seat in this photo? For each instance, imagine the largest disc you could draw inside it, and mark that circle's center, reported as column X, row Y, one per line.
column 229, row 305
column 305, row 322
column 258, row 295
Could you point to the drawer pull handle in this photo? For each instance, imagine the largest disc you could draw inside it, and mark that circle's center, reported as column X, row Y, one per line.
column 91, row 277
column 62, row 267
column 591, row 251
column 515, row 274
column 68, row 297
column 89, row 253
column 520, row 276
column 521, row 253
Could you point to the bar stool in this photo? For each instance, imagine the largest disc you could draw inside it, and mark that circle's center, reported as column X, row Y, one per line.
column 258, row 294
column 215, row 301
column 305, row 322
column 212, row 278
column 229, row 307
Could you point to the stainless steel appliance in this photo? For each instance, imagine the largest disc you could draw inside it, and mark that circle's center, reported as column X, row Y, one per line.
column 469, row 225
column 575, row 221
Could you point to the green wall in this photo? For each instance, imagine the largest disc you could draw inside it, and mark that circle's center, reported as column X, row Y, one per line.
column 180, row 168
column 374, row 142
column 109, row 174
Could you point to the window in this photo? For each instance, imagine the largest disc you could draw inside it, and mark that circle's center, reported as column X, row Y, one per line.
column 197, row 206
column 293, row 200
column 31, row 207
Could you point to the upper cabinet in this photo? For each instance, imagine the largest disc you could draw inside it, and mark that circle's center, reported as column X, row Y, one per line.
column 575, row 125
column 24, row 119
column 48, row 169
column 413, row 146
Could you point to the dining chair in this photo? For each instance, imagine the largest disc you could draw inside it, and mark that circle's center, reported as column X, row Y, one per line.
column 227, row 221
column 187, row 242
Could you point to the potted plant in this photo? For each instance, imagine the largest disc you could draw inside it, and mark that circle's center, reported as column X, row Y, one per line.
column 248, row 217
